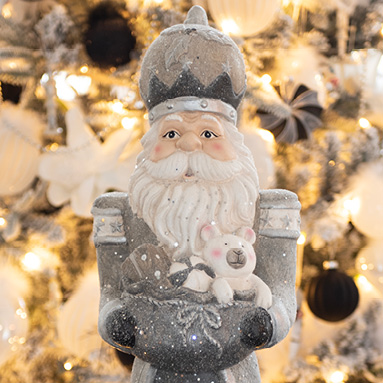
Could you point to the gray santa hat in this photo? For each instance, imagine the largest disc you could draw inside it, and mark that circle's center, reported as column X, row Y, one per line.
column 193, row 67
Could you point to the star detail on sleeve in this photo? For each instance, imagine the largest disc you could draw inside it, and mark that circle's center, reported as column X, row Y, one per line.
column 286, row 221
column 99, row 225
column 116, row 227
column 84, row 168
column 266, row 219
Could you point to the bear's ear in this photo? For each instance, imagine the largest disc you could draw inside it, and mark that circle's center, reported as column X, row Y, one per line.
column 247, row 233
column 209, row 232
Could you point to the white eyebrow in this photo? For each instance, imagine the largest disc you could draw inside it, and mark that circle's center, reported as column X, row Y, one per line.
column 209, row 117
column 171, row 117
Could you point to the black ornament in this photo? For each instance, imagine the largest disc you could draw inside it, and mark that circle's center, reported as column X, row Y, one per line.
column 332, row 295
column 304, row 117
column 11, row 92
column 108, row 40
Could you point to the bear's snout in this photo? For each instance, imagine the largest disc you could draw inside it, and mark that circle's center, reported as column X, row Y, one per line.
column 236, row 258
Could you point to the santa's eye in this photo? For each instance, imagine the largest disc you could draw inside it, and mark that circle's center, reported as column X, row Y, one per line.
column 171, row 134
column 208, row 134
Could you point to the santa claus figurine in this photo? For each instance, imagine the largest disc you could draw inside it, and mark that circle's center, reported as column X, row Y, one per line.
column 194, row 171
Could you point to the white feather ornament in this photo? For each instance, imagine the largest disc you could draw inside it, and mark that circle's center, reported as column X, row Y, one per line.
column 77, row 323
column 20, row 145
column 85, row 168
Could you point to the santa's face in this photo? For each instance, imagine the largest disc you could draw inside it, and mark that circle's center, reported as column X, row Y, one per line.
column 194, row 170
column 190, row 132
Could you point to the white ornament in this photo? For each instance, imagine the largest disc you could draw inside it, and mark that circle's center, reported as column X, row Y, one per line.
column 372, row 85
column 362, row 71
column 77, row 323
column 85, row 168
column 367, row 192
column 301, row 64
column 13, row 317
column 243, row 17
column 20, row 143
column 370, row 263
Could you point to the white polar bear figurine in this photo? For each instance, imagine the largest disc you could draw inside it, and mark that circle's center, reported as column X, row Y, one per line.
column 232, row 257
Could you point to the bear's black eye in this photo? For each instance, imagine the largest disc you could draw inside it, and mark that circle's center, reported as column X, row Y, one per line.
column 225, row 243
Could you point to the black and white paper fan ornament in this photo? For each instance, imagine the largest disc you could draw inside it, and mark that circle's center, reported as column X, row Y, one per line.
column 332, row 295
column 108, row 40
column 305, row 112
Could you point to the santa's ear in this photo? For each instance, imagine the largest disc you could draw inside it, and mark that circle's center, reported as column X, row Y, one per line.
column 247, row 233
column 209, row 232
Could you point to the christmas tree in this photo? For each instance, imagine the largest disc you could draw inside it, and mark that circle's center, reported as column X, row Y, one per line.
column 71, row 120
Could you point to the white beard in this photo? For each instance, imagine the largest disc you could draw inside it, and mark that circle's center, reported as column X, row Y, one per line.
column 220, row 192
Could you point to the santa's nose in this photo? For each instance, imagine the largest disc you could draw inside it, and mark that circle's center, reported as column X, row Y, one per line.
column 189, row 142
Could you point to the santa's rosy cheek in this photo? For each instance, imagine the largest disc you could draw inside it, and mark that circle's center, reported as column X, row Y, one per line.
column 216, row 253
column 217, row 146
column 157, row 149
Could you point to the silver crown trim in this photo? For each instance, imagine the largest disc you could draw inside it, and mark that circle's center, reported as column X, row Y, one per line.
column 193, row 104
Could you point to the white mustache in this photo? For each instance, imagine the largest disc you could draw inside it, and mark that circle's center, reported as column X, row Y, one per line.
column 197, row 164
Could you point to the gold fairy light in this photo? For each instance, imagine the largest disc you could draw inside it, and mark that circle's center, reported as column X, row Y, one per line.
column 352, row 205
column 364, row 123
column 53, row 147
column 68, row 366
column 31, row 262
column 363, row 283
column 3, row 222
column 267, row 135
column 266, row 79
column 118, row 107
column 80, row 84
column 64, row 91
column 84, row 69
column 21, row 313
column 229, row 26
column 7, row 10
column 128, row 123
column 337, row 376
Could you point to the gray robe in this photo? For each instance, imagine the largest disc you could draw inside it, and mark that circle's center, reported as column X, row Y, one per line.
column 175, row 341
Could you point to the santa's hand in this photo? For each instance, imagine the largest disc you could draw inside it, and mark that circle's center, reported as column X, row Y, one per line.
column 117, row 326
column 256, row 328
